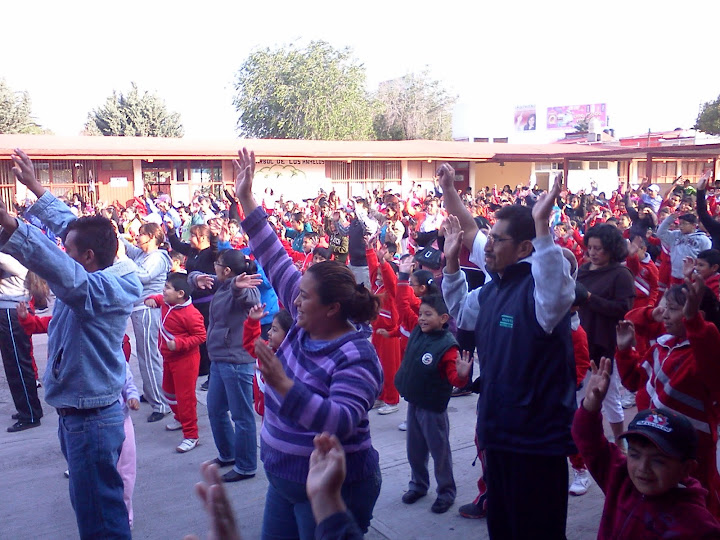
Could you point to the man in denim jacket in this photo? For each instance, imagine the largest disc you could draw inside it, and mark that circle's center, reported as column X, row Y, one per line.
column 86, row 366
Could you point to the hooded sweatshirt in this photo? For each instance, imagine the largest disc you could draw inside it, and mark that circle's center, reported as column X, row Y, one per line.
column 12, row 282
column 681, row 245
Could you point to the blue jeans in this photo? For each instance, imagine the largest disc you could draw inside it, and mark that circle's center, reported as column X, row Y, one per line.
column 91, row 445
column 288, row 513
column 231, row 390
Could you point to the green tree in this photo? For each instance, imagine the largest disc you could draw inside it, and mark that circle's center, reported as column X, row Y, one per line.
column 316, row 92
column 708, row 120
column 16, row 112
column 413, row 107
column 134, row 115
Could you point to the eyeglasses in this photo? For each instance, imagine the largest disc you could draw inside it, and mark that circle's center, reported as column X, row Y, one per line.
column 493, row 238
column 221, row 265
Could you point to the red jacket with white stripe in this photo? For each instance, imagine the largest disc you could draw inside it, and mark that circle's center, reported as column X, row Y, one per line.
column 682, row 374
column 646, row 275
column 183, row 324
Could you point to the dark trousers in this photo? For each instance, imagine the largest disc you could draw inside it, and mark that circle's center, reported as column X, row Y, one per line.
column 466, row 342
column 15, row 350
column 527, row 496
column 204, row 309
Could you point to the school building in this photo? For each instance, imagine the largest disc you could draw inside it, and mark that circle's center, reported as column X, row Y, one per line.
column 119, row 168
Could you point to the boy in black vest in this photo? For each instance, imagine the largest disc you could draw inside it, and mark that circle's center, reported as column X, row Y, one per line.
column 430, row 368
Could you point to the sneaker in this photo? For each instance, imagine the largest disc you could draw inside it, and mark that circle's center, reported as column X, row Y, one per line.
column 581, row 483
column 388, row 409
column 378, row 403
column 204, row 386
column 458, row 392
column 174, row 426
column 22, row 425
column 628, row 401
column 473, row 510
column 157, row 416
column 402, row 426
column 66, row 474
column 186, row 445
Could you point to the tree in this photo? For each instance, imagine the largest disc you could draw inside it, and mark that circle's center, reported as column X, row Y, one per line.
column 316, row 92
column 413, row 107
column 708, row 120
column 15, row 112
column 134, row 115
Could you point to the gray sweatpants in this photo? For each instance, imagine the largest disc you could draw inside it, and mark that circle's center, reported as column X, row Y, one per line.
column 146, row 326
column 428, row 434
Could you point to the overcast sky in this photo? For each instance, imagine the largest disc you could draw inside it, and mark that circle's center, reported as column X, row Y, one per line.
column 652, row 62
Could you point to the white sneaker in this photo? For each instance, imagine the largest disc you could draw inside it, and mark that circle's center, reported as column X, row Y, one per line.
column 581, row 482
column 174, row 426
column 378, row 403
column 186, row 445
column 402, row 426
column 388, row 409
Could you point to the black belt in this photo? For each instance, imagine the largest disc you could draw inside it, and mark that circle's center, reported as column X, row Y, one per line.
column 72, row 411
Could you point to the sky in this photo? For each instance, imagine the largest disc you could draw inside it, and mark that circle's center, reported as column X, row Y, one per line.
column 652, row 62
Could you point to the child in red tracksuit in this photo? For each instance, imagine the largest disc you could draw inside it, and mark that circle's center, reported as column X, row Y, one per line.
column 681, row 372
column 281, row 323
column 384, row 327
column 649, row 494
column 182, row 330
column 645, row 272
column 707, row 265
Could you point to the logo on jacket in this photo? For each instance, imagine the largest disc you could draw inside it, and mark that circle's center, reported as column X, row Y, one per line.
column 506, row 321
column 657, row 421
column 427, row 359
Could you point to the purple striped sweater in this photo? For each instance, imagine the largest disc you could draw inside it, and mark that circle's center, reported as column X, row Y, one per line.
column 335, row 383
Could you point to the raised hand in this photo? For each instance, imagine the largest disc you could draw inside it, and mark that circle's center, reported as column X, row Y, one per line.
column 597, row 385
column 704, row 179
column 217, row 505
column 22, row 311
column 696, row 290
column 688, row 267
column 463, row 364
column 325, row 476
column 271, row 369
column 257, row 312
column 244, row 174
column 406, row 266
column 625, row 333
column 24, row 171
column 446, row 177
column 7, row 221
column 247, row 281
column 454, row 236
column 205, row 281
column 543, row 209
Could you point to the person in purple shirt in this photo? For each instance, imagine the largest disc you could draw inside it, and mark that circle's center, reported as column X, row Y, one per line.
column 325, row 377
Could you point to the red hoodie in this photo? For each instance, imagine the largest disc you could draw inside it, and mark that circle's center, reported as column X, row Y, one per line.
column 646, row 276
column 182, row 323
column 679, row 514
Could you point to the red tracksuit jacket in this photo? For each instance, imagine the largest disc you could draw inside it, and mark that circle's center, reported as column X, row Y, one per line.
column 182, row 323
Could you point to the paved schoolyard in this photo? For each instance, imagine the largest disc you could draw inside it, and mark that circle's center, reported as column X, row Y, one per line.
column 34, row 501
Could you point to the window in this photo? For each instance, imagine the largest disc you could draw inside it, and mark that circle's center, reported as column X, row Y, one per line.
column 548, row 166
column 575, row 166
column 596, row 165
column 364, row 170
column 110, row 165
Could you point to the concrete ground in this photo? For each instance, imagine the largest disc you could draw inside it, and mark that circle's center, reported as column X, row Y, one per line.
column 34, row 500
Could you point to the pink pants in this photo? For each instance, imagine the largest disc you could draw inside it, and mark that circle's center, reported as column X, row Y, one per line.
column 126, row 466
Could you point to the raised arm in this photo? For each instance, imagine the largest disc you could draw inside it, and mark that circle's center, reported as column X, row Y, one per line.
column 554, row 286
column 455, row 206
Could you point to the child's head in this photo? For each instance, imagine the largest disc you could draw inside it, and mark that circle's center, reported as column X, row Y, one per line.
column 390, row 251
column 687, row 223
column 320, row 254
column 281, row 323
column 178, row 261
column 662, row 448
column 177, row 289
column 433, row 314
column 310, row 240
column 561, row 230
column 707, row 263
column 231, row 263
column 641, row 243
column 234, row 227
column 422, row 283
column 674, row 300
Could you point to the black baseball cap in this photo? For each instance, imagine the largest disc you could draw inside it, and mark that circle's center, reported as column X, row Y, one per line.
column 670, row 431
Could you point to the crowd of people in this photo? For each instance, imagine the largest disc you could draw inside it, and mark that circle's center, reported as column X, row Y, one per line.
column 313, row 314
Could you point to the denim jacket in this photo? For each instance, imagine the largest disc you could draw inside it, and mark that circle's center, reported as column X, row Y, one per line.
column 86, row 364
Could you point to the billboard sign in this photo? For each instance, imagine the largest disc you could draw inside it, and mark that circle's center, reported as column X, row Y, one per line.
column 568, row 116
column 525, row 118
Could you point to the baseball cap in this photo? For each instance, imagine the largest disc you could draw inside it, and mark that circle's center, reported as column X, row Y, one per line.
column 671, row 432
column 654, row 187
column 164, row 197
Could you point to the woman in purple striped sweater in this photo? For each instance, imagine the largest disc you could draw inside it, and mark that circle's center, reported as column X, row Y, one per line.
column 325, row 378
